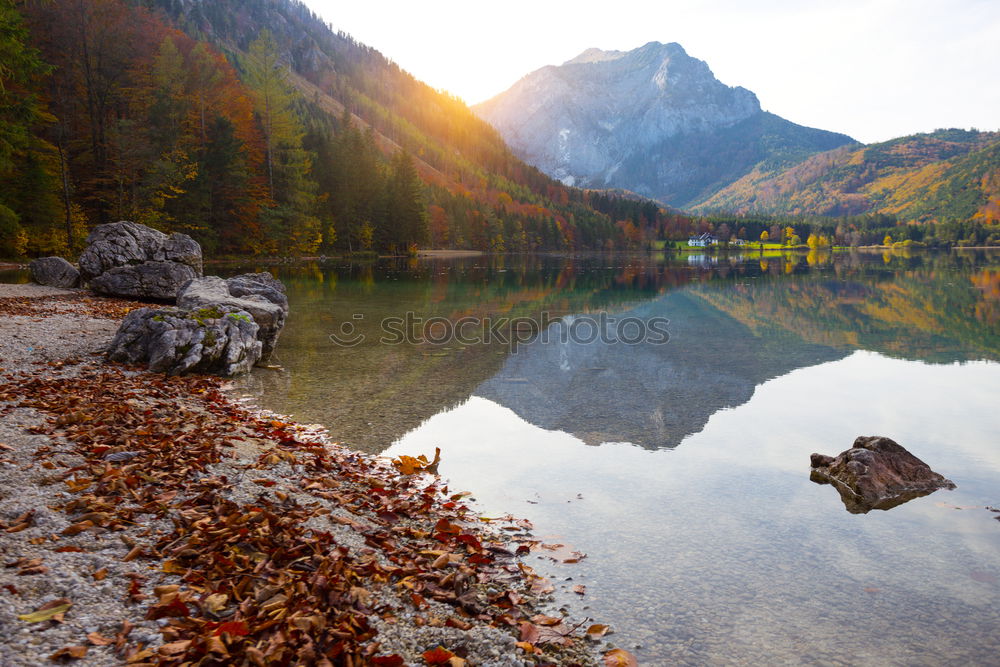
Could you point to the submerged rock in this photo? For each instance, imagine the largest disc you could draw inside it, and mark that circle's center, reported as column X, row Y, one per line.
column 221, row 340
column 54, row 272
column 876, row 473
column 259, row 294
column 128, row 259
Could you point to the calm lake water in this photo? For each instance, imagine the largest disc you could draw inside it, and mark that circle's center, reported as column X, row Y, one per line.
column 681, row 468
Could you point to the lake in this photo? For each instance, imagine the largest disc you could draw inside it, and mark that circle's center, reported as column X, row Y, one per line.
column 657, row 414
column 680, row 467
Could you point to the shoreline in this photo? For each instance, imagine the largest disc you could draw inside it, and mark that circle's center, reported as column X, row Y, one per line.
column 178, row 525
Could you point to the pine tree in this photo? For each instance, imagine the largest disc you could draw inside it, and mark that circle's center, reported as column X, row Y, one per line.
column 290, row 224
column 405, row 225
column 27, row 163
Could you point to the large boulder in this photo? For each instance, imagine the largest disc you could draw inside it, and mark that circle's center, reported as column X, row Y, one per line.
column 54, row 272
column 220, row 340
column 154, row 280
column 142, row 262
column 260, row 294
column 876, row 473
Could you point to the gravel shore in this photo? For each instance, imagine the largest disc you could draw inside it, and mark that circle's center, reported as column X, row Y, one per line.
column 154, row 521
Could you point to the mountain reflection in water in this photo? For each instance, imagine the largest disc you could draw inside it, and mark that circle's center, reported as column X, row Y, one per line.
column 732, row 326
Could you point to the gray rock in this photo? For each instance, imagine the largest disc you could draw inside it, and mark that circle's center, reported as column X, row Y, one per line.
column 876, row 473
column 260, row 294
column 54, row 272
column 168, row 261
column 221, row 340
column 155, row 280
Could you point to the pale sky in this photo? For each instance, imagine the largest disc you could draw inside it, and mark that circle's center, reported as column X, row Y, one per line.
column 873, row 69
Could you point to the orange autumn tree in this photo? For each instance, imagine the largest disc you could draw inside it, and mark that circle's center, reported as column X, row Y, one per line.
column 150, row 125
column 211, row 149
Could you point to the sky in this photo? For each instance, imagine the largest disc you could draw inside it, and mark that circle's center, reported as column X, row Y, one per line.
column 873, row 69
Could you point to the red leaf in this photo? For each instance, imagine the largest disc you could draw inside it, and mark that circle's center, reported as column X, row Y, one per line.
column 438, row 656
column 235, row 628
column 393, row 660
column 444, row 526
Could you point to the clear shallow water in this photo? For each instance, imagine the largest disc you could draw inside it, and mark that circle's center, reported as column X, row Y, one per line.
column 681, row 470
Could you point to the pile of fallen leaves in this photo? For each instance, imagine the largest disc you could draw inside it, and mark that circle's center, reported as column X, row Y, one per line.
column 99, row 307
column 263, row 583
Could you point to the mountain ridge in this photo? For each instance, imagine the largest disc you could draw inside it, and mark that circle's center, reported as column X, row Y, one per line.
column 653, row 120
column 947, row 175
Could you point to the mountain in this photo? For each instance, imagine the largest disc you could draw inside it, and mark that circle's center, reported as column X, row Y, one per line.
column 943, row 176
column 478, row 194
column 259, row 130
column 653, row 120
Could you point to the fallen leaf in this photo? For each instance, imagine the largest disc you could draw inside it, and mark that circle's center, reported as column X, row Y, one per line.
column 597, row 630
column 69, row 653
column 438, row 656
column 213, row 603
column 394, row 660
column 234, row 628
column 542, row 619
column 97, row 639
column 47, row 611
column 101, row 574
column 619, row 658
column 580, row 589
column 174, row 649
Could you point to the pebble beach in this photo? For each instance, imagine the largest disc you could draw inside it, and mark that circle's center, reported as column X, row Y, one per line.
column 150, row 520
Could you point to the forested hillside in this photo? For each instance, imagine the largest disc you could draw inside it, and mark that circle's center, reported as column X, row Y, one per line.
column 255, row 128
column 948, row 176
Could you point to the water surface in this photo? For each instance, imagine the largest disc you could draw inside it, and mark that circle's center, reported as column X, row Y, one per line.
column 681, row 469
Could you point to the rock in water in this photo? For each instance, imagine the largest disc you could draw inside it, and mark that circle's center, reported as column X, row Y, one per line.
column 876, row 473
column 54, row 272
column 142, row 262
column 260, row 294
column 221, row 340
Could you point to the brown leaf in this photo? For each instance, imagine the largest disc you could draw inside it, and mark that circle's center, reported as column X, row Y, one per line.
column 101, row 574
column 69, row 653
column 529, row 632
column 174, row 649
column 97, row 639
column 215, row 645
column 213, row 603
column 542, row 619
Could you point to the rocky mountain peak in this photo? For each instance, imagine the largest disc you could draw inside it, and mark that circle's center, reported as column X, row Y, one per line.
column 601, row 117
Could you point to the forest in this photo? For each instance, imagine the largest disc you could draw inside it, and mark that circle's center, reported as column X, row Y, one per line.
column 112, row 112
column 193, row 117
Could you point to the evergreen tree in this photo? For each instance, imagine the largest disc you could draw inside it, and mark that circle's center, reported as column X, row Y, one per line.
column 28, row 184
column 290, row 224
column 405, row 224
